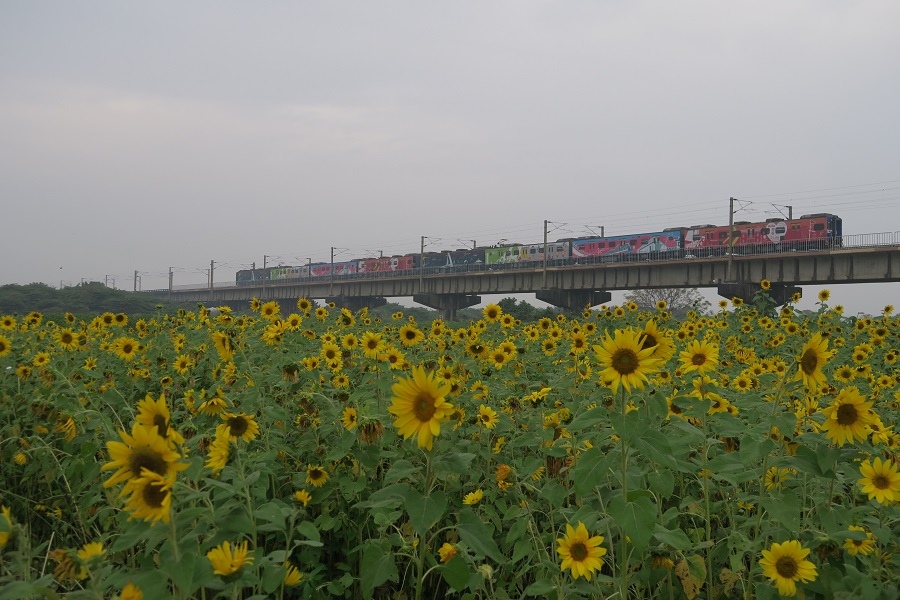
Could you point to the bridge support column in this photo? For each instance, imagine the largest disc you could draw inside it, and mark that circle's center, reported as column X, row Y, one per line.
column 780, row 293
column 355, row 303
column 573, row 299
column 448, row 304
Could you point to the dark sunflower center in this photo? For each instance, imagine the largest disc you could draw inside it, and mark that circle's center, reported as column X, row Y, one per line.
column 316, row 474
column 809, row 361
column 424, row 407
column 127, row 348
column 649, row 341
column 146, row 458
column 847, row 415
column 161, row 425
column 676, row 410
column 238, row 426
column 371, row 344
column 786, row 567
column 881, row 482
column 154, row 496
column 624, row 361
column 66, row 338
column 410, row 335
column 698, row 359
column 578, row 551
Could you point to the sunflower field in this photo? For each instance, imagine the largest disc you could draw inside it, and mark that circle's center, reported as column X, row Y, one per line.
column 314, row 452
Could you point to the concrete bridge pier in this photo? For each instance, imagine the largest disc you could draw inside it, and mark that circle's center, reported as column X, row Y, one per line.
column 780, row 293
column 448, row 304
column 573, row 299
column 355, row 303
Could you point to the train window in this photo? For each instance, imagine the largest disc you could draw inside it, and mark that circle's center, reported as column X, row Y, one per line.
column 633, row 242
column 723, row 234
column 697, row 237
column 818, row 226
column 764, row 231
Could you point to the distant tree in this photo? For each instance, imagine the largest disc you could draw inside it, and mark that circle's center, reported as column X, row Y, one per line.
column 678, row 300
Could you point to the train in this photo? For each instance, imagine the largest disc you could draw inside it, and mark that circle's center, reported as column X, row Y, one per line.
column 821, row 231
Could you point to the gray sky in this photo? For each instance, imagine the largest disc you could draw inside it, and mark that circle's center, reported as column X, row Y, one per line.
column 149, row 135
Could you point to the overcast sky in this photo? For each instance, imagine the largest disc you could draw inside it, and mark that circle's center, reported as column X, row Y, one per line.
column 143, row 136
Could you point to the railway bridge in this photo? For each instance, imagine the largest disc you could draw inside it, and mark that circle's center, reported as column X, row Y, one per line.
column 574, row 285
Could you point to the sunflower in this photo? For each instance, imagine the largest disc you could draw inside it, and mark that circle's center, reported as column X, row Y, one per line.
column 65, row 339
column 131, row 592
column 346, row 318
column 41, row 359
column 497, row 358
column 302, row 496
column 182, row 364
column 848, row 417
column 473, row 498
column 239, row 426
column 880, row 480
column 144, row 450
column 316, row 475
column 812, row 358
column 785, row 564
column 6, row 527
column 151, row 497
column 580, row 553
column 624, row 360
column 223, row 345
column 292, row 575
column 824, row 295
column 663, row 348
column 419, row 407
column 394, row 357
column 579, row 342
column 487, row 416
column 492, row 312
column 219, row 450
column 226, row 560
column 7, row 322
column 698, row 356
column 765, row 284
column 372, row 344
column 5, row 346
column 155, row 414
column 321, row 313
column 349, row 418
column 410, row 335
column 863, row 546
column 447, row 552
column 548, row 346
column 213, row 406
column 304, row 304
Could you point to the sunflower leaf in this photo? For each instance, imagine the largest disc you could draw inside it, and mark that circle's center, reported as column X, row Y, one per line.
column 453, row 463
column 636, row 519
column 591, row 470
column 377, row 566
column 478, row 536
column 456, row 573
column 424, row 511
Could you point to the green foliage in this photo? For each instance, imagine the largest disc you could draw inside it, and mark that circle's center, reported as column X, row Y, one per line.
column 83, row 299
column 685, row 495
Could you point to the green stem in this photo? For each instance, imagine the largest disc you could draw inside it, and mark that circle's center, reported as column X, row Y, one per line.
column 623, row 592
